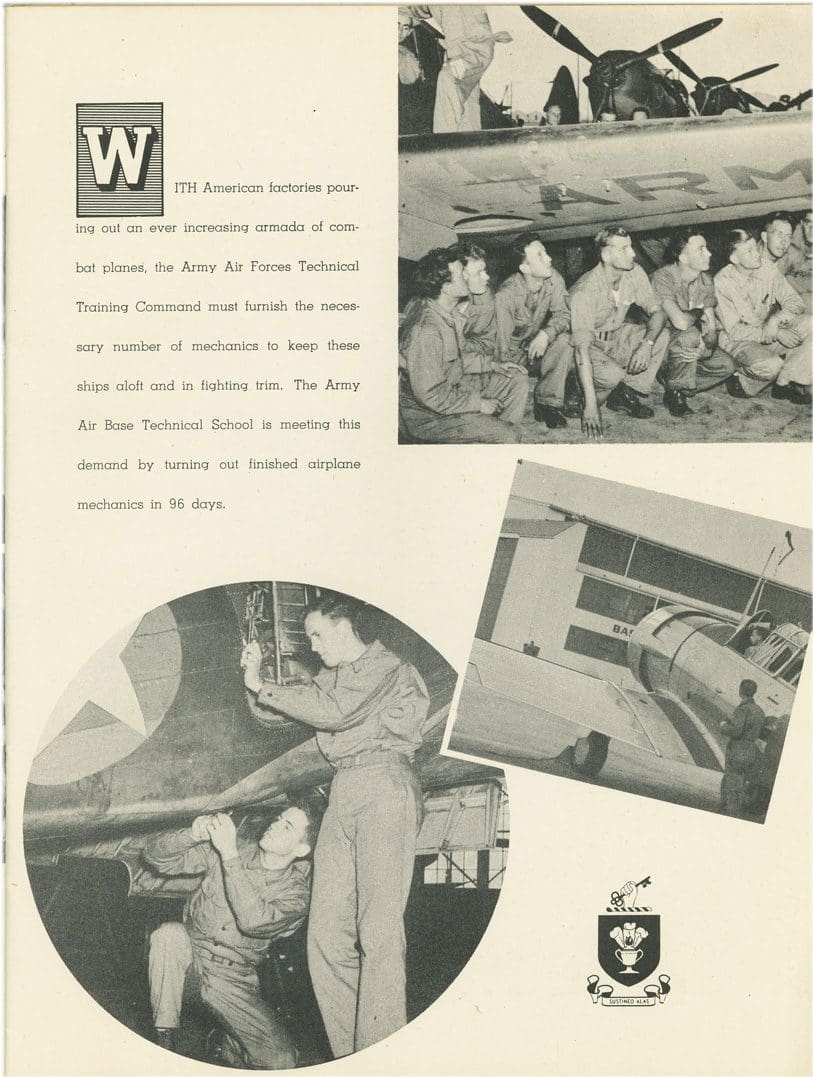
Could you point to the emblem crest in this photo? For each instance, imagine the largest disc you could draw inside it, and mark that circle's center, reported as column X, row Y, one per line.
column 629, row 950
column 629, row 946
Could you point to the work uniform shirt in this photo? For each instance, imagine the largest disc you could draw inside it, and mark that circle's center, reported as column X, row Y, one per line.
column 782, row 264
column 745, row 301
column 594, row 308
column 240, row 905
column 521, row 313
column 479, row 339
column 467, row 33
column 697, row 294
column 430, row 347
column 477, row 329
column 799, row 268
column 378, row 702
column 743, row 729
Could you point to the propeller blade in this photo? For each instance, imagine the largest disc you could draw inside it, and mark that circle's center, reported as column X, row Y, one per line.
column 673, row 42
column 747, row 75
column 681, row 65
column 800, row 100
column 755, row 101
column 559, row 33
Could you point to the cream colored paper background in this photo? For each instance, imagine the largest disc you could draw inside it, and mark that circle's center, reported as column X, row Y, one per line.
column 312, row 92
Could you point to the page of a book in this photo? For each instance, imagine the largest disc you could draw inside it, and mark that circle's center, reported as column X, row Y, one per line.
column 408, row 531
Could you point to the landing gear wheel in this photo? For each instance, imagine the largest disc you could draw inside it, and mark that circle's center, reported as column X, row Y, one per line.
column 590, row 754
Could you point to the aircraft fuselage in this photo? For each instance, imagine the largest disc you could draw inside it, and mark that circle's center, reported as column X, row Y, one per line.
column 681, row 654
column 568, row 182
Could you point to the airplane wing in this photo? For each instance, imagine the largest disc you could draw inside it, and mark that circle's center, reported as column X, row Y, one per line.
column 156, row 729
column 459, row 800
column 458, row 795
column 515, row 706
column 569, row 181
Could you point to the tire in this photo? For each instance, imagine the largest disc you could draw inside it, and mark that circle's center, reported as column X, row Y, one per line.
column 590, row 754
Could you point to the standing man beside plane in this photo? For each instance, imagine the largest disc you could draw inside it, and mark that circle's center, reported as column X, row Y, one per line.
column 741, row 754
column 616, row 360
column 249, row 894
column 368, row 707
column 469, row 45
column 533, row 326
column 694, row 362
column 764, row 325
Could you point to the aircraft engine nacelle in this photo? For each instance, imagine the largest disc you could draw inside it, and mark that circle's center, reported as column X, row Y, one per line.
column 657, row 640
column 639, row 85
column 683, row 655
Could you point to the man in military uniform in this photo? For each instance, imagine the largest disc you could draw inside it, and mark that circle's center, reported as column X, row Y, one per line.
column 616, row 360
column 694, row 362
column 799, row 267
column 249, row 894
column 440, row 402
column 368, row 707
column 478, row 343
column 533, row 326
column 742, row 754
column 775, row 241
column 469, row 44
column 764, row 326
column 552, row 116
column 476, row 312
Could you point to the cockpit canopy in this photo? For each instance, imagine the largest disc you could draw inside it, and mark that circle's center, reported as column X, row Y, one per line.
column 778, row 649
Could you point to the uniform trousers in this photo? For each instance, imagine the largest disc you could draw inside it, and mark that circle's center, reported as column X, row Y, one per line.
column 760, row 364
column 255, row 1036
column 457, row 104
column 457, row 101
column 363, row 866
column 510, row 389
column 553, row 370
column 611, row 357
column 690, row 376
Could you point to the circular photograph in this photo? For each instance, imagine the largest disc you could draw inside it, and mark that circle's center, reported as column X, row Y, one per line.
column 242, row 838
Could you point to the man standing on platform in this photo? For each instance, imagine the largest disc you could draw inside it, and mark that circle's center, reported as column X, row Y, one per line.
column 368, row 707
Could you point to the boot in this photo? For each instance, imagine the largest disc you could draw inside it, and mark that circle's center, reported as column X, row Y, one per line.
column 793, row 391
column 734, row 388
column 167, row 1038
column 675, row 402
column 622, row 398
column 551, row 416
column 574, row 402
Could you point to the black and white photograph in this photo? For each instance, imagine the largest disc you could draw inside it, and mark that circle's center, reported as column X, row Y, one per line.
column 241, row 837
column 640, row 642
column 330, row 750
column 605, row 228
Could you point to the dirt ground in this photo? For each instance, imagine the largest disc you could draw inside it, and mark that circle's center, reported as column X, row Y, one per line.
column 717, row 417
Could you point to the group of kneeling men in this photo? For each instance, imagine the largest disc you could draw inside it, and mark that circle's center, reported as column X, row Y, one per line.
column 465, row 352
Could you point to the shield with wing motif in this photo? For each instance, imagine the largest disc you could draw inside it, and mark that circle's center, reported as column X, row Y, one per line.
column 629, row 946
